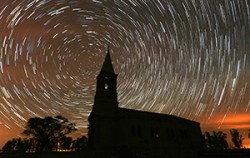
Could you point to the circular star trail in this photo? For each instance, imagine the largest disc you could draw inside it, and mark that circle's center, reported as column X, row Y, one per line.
column 184, row 58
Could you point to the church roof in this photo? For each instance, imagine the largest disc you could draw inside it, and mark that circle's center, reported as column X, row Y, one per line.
column 145, row 115
column 107, row 64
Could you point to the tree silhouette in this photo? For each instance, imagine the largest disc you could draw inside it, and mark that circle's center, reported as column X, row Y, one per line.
column 217, row 140
column 16, row 145
column 9, row 146
column 80, row 143
column 47, row 132
column 22, row 145
column 65, row 143
column 237, row 139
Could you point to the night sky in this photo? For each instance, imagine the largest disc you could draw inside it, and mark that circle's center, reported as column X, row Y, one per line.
column 189, row 58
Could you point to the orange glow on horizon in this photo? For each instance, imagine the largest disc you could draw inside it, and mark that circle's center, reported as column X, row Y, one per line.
column 219, row 121
column 238, row 118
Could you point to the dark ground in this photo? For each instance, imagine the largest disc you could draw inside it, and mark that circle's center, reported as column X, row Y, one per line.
column 231, row 153
column 228, row 153
column 44, row 155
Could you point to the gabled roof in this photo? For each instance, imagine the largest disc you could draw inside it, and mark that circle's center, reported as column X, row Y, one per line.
column 107, row 64
column 145, row 115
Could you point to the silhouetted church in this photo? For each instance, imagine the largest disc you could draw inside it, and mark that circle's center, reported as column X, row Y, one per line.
column 115, row 131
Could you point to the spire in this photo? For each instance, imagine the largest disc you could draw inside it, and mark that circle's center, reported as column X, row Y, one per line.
column 107, row 64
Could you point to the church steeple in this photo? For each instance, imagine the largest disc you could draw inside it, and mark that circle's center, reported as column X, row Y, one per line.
column 105, row 107
column 107, row 65
column 106, row 102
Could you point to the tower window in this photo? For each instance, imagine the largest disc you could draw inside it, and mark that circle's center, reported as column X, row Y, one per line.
column 106, row 85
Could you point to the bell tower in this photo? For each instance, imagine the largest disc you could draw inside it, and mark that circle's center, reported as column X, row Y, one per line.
column 105, row 102
column 103, row 118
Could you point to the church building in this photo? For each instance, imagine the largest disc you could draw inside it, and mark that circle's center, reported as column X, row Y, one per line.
column 121, row 132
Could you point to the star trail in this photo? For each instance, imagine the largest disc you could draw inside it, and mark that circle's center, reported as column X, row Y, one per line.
column 188, row 58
